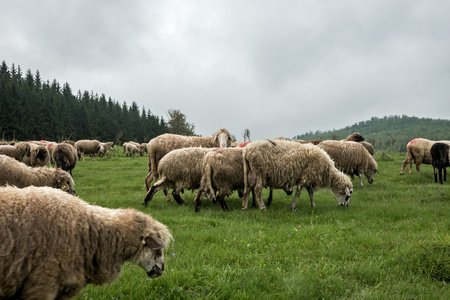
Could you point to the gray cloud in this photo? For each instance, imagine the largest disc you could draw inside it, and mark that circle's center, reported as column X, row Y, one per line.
column 276, row 68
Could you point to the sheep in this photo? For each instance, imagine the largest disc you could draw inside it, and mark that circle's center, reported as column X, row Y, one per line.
column 178, row 169
column 354, row 137
column 418, row 151
column 351, row 158
column 163, row 144
column 137, row 148
column 131, row 149
column 39, row 156
column 18, row 150
column 283, row 164
column 440, row 160
column 54, row 244
column 65, row 157
column 90, row 147
column 106, row 147
column 15, row 173
column 223, row 171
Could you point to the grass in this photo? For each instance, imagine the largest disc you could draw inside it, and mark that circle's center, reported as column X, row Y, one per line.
column 392, row 242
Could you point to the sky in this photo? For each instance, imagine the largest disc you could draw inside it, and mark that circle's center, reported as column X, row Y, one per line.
column 277, row 68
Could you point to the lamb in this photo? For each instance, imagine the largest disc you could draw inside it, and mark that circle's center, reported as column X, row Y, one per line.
column 351, row 158
column 132, row 149
column 284, row 164
column 65, row 157
column 90, row 147
column 178, row 169
column 440, row 159
column 106, row 147
column 163, row 144
column 40, row 156
column 60, row 243
column 18, row 150
column 15, row 173
column 418, row 150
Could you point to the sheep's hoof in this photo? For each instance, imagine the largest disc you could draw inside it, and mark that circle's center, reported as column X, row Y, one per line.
column 244, row 209
column 145, row 204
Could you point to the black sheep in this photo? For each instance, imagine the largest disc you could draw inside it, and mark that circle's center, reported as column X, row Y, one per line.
column 440, row 160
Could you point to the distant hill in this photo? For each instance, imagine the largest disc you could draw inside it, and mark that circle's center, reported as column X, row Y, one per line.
column 389, row 133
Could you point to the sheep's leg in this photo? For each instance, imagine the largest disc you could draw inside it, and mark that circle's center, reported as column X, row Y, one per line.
column 418, row 163
column 258, row 192
column 198, row 200
column 360, row 179
column 269, row 200
column 435, row 175
column 311, row 195
column 166, row 195
column 253, row 199
column 440, row 176
column 177, row 197
column 445, row 174
column 297, row 194
column 148, row 181
column 222, row 202
column 245, row 198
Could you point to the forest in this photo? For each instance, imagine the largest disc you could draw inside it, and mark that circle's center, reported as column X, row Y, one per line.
column 34, row 109
column 390, row 133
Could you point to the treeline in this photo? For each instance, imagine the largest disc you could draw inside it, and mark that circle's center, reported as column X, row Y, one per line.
column 389, row 133
column 33, row 109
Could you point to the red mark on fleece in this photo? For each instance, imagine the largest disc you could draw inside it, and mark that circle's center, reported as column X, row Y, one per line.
column 242, row 145
column 411, row 142
column 57, row 169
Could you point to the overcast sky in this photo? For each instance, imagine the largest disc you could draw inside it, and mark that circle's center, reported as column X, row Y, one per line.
column 278, row 68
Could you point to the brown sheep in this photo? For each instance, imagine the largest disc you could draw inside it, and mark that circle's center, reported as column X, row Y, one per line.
column 284, row 164
column 65, row 157
column 40, row 156
column 418, row 151
column 351, row 158
column 17, row 151
column 60, row 243
column 15, row 173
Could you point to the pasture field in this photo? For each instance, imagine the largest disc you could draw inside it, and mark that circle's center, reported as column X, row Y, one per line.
column 391, row 242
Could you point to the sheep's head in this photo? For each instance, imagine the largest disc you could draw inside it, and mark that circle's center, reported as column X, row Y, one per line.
column 64, row 181
column 150, row 255
column 342, row 188
column 223, row 138
column 371, row 170
column 356, row 137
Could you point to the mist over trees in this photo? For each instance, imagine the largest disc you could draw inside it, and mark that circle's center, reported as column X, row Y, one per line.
column 33, row 109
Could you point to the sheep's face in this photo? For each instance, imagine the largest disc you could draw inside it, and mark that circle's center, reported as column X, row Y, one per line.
column 64, row 182
column 343, row 195
column 223, row 138
column 151, row 258
column 370, row 174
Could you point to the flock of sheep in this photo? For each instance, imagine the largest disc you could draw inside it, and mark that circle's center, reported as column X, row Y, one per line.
column 69, row 243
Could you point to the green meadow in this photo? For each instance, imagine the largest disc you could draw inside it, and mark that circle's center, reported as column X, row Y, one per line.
column 391, row 242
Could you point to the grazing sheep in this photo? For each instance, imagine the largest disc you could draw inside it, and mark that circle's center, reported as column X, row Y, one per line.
column 163, row 144
column 39, row 156
column 65, row 157
column 132, row 149
column 17, row 151
column 440, row 160
column 284, row 164
column 418, row 151
column 106, row 147
column 54, row 244
column 138, row 148
column 354, row 137
column 178, row 169
column 223, row 171
column 351, row 158
column 90, row 147
column 15, row 173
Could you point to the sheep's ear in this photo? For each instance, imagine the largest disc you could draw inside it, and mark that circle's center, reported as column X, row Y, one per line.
column 347, row 191
column 154, row 242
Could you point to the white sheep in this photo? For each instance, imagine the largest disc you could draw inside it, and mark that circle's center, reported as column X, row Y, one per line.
column 15, row 173
column 179, row 169
column 90, row 147
column 351, row 158
column 60, row 243
column 163, row 144
column 131, row 150
column 284, row 164
column 17, row 151
column 418, row 151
